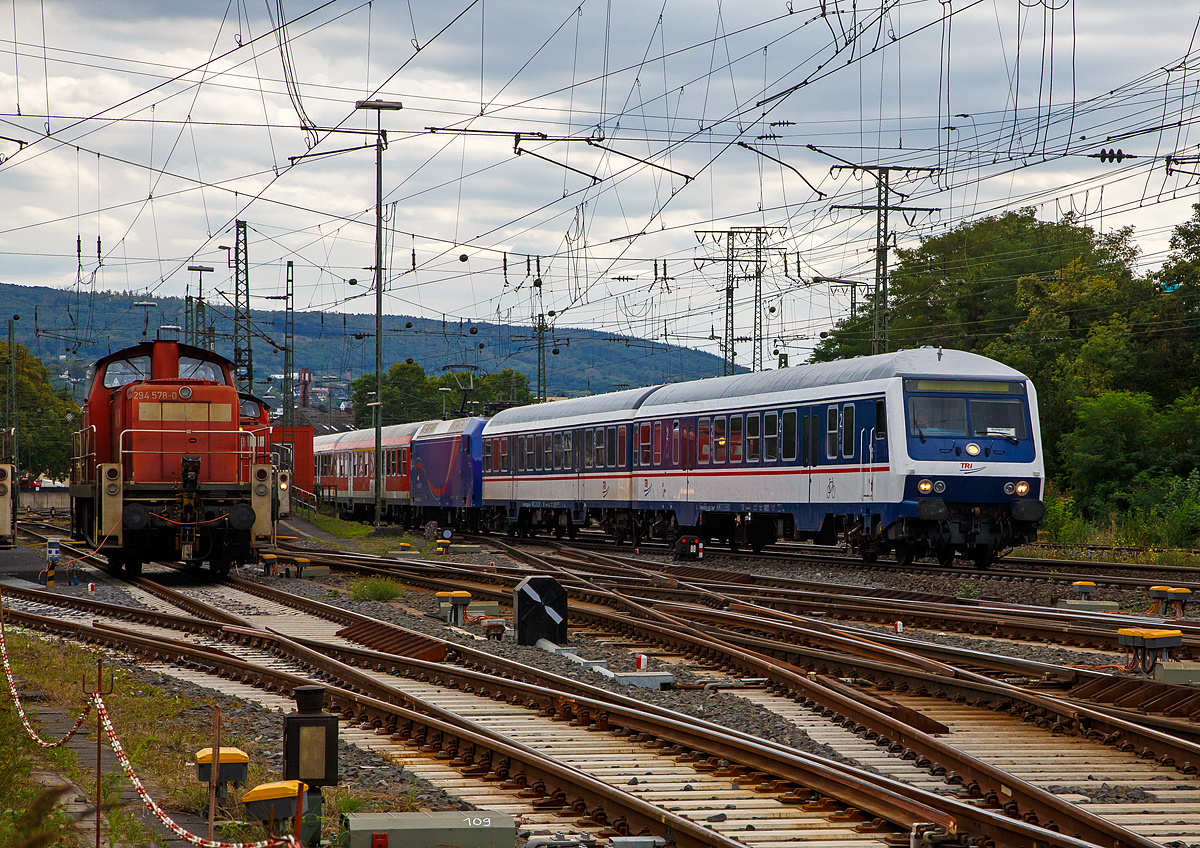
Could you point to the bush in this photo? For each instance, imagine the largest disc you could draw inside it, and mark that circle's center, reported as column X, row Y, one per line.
column 1063, row 522
column 376, row 589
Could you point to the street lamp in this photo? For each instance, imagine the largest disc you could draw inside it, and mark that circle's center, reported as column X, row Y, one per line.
column 379, row 106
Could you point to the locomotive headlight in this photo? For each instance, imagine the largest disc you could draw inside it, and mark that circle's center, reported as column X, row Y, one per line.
column 185, row 392
column 1009, row 488
column 939, row 487
column 972, row 449
column 925, row 487
column 1022, row 488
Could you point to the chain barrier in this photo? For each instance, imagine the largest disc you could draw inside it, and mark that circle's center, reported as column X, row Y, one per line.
column 150, row 804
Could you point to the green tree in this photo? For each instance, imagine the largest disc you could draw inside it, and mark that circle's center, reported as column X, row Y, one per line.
column 408, row 395
column 1114, row 442
column 962, row 289
column 45, row 418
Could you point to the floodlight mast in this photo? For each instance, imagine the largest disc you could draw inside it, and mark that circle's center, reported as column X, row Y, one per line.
column 379, row 107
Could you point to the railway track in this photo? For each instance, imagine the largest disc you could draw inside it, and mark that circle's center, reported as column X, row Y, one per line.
column 683, row 743
column 866, row 717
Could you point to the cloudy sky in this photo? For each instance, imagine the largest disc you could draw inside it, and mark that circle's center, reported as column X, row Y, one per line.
column 603, row 145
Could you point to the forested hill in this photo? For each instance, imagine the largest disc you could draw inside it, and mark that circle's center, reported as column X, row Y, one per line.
column 74, row 330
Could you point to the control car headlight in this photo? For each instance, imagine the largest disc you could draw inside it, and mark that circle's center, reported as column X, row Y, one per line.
column 925, row 487
column 1022, row 488
column 972, row 449
column 185, row 392
column 939, row 487
column 1009, row 488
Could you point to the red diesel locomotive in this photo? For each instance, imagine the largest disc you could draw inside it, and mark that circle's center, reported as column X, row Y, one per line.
column 168, row 465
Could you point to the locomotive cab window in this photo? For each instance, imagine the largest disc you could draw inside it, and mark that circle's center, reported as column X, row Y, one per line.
column 191, row 368
column 942, row 417
column 998, row 418
column 122, row 372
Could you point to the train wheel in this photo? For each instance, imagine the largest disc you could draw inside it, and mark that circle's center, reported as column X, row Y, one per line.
column 869, row 555
column 906, row 554
column 572, row 531
column 982, row 557
column 945, row 557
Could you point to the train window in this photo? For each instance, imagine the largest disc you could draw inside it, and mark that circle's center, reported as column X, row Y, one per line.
column 658, row 443
column 404, row 462
column 880, row 420
column 600, row 448
column 771, row 437
column 848, row 434
column 788, row 436
column 621, row 455
column 549, row 453
column 504, row 453
column 645, row 439
column 998, row 418
column 558, row 453
column 519, row 453
column 126, row 371
column 752, row 434
column 611, row 439
column 568, row 456
column 675, row 443
column 537, row 452
column 735, row 438
column 937, row 416
column 487, row 455
column 191, row 368
column 589, row 447
column 718, row 438
column 703, row 448
column 831, row 432
column 530, row 453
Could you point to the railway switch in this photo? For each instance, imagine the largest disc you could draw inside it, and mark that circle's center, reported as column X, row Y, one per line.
column 469, row 829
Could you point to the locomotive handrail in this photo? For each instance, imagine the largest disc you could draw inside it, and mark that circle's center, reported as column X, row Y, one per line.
column 244, row 452
column 263, row 455
column 78, row 456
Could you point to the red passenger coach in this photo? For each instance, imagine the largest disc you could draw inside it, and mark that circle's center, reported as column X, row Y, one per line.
column 170, row 463
column 345, row 472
